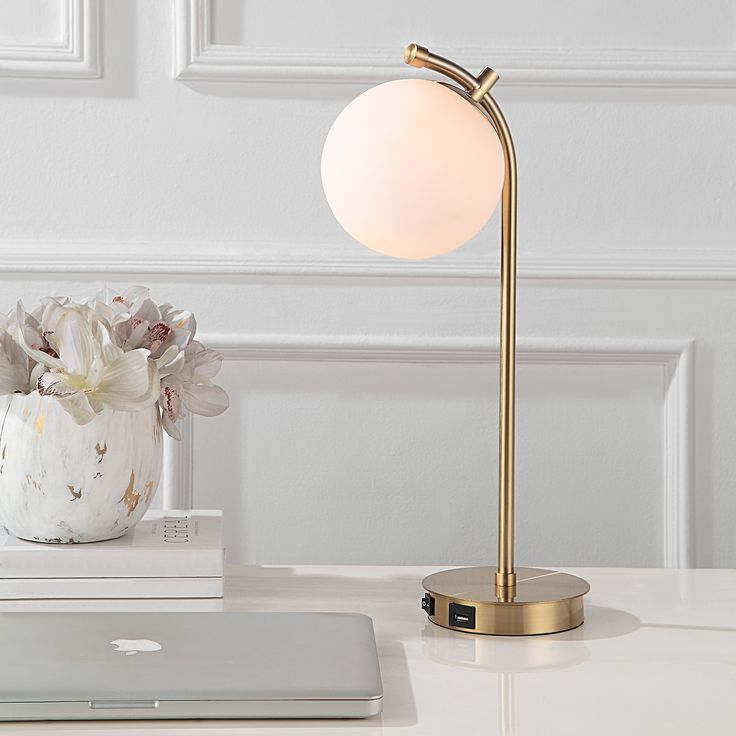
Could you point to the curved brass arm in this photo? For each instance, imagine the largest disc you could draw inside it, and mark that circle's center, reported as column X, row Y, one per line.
column 478, row 89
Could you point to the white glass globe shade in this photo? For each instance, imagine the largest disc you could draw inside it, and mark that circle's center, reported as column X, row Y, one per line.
column 412, row 169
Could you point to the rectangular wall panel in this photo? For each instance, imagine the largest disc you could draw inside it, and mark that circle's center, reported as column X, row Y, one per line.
column 581, row 44
column 348, row 462
column 55, row 39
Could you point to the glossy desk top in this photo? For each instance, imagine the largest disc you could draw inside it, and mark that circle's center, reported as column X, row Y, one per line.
column 656, row 655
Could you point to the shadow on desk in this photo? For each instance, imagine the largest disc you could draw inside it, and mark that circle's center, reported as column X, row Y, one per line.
column 601, row 623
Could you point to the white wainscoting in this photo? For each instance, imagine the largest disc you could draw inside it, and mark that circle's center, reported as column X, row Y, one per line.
column 199, row 58
column 202, row 181
column 74, row 54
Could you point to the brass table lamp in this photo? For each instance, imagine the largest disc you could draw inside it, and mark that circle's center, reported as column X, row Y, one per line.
column 413, row 169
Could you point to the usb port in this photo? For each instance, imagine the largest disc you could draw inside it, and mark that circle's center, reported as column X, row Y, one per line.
column 462, row 616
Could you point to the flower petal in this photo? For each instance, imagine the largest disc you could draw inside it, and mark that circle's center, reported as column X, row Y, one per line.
column 137, row 336
column 136, row 295
column 12, row 377
column 110, row 351
column 171, row 361
column 171, row 429
column 96, row 373
column 36, row 373
column 202, row 362
column 170, row 400
column 14, row 366
column 38, row 355
column 207, row 401
column 111, row 314
column 76, row 343
column 54, row 384
column 78, row 406
column 129, row 383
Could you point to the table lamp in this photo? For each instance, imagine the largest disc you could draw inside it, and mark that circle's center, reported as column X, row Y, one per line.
column 413, row 169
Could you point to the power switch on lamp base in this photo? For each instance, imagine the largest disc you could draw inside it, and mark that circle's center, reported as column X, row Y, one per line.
column 541, row 602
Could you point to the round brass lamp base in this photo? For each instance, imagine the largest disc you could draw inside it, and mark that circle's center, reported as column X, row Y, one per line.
column 541, row 602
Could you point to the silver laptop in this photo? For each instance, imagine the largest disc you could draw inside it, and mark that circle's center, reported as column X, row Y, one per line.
column 188, row 665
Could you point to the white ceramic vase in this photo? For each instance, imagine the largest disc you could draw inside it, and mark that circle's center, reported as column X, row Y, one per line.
column 64, row 483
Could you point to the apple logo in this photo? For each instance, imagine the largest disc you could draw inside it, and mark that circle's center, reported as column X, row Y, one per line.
column 133, row 646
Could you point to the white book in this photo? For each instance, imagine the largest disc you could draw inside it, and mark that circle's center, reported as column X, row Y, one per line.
column 124, row 605
column 55, row 588
column 164, row 544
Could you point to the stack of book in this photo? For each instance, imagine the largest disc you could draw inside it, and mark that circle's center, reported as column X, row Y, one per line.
column 168, row 554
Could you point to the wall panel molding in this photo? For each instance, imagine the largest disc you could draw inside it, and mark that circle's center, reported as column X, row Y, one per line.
column 198, row 59
column 76, row 56
column 673, row 356
column 294, row 260
column 177, row 479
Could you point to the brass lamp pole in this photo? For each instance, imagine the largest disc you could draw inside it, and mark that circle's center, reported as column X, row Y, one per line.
column 439, row 138
column 506, row 600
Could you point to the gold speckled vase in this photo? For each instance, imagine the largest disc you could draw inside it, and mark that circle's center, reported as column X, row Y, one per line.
column 65, row 483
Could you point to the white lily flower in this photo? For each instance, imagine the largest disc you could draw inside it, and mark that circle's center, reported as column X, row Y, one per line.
column 179, row 319
column 91, row 371
column 192, row 386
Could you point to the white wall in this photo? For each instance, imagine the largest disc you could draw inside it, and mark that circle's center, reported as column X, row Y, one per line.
column 177, row 144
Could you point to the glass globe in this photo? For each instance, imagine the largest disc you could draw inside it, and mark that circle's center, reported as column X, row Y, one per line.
column 412, row 169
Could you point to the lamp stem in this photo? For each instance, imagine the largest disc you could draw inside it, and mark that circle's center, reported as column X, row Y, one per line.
column 478, row 90
column 506, row 576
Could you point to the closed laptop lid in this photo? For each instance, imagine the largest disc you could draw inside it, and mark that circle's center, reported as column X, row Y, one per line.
column 84, row 657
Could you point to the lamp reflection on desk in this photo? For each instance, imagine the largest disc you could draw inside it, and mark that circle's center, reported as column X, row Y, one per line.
column 506, row 657
column 510, row 657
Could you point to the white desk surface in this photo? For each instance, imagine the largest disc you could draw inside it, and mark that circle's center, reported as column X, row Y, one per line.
column 656, row 655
